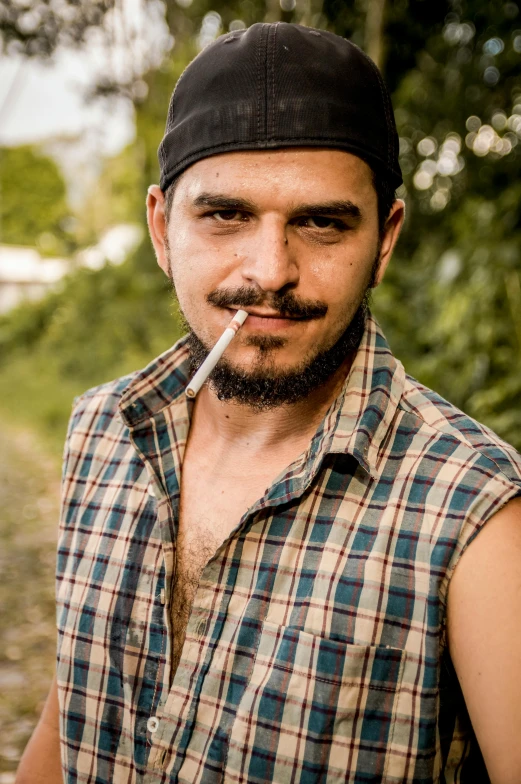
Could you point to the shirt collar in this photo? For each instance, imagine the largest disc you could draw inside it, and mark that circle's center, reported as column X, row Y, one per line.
column 355, row 424
column 157, row 386
column 360, row 417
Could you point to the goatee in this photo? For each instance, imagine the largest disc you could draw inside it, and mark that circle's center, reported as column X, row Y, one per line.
column 265, row 387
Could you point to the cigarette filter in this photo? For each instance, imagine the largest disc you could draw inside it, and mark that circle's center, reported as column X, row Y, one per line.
column 216, row 353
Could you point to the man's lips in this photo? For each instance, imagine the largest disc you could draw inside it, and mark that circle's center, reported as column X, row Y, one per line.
column 267, row 320
column 269, row 314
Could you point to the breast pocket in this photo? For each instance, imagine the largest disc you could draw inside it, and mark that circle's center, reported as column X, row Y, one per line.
column 316, row 710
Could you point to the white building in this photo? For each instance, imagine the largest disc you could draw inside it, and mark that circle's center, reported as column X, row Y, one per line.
column 25, row 275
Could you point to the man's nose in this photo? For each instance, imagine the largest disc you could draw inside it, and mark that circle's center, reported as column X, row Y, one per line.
column 270, row 262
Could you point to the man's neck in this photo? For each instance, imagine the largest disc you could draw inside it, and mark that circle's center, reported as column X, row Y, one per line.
column 238, row 425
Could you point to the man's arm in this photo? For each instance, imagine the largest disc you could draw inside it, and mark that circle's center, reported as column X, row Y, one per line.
column 484, row 634
column 40, row 763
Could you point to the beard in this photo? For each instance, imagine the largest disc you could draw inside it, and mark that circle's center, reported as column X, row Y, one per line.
column 265, row 387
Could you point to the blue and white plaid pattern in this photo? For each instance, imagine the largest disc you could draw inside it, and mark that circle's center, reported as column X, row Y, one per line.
column 316, row 650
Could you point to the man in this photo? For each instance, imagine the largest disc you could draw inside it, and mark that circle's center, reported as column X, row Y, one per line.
column 283, row 581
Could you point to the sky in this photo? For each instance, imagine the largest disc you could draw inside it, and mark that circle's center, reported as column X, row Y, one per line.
column 40, row 101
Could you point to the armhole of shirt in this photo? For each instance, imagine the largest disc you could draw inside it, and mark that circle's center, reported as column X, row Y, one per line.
column 494, row 496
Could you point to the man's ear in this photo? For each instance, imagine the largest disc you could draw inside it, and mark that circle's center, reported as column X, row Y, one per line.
column 392, row 228
column 157, row 225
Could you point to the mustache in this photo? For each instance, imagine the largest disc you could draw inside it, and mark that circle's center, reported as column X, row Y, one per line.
column 286, row 304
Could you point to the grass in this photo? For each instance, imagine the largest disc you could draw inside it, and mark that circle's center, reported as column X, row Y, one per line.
column 34, row 396
column 29, row 504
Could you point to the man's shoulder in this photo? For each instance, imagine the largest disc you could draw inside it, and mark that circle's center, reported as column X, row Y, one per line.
column 107, row 394
column 440, row 419
column 104, row 399
column 96, row 419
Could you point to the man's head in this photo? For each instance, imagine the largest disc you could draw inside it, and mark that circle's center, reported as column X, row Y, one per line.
column 280, row 177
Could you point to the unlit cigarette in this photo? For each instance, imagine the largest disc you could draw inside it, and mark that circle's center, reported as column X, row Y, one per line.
column 216, row 353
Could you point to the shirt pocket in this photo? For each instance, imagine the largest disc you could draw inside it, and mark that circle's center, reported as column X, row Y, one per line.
column 317, row 710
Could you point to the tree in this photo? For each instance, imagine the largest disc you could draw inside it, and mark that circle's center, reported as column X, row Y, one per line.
column 458, row 263
column 117, row 196
column 33, row 202
column 36, row 28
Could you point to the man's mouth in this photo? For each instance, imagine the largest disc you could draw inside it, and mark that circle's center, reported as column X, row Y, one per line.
column 270, row 314
column 275, row 307
column 269, row 320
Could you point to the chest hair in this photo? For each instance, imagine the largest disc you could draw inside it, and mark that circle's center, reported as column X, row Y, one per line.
column 193, row 553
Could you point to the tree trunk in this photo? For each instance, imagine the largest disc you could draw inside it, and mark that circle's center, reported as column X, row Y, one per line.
column 273, row 11
column 310, row 12
column 374, row 31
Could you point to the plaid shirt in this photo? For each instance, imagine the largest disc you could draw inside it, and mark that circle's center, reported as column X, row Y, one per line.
column 316, row 648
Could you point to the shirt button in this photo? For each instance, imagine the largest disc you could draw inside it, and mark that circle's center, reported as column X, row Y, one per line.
column 152, row 724
column 151, row 491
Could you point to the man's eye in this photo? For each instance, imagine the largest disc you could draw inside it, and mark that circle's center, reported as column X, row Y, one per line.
column 320, row 222
column 224, row 216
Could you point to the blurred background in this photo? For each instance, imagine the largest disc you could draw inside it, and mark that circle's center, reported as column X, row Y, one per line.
column 84, row 90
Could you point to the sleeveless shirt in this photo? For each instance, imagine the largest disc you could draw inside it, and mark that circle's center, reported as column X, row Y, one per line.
column 316, row 649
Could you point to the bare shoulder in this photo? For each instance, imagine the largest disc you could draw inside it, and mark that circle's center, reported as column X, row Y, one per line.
column 484, row 633
column 488, row 556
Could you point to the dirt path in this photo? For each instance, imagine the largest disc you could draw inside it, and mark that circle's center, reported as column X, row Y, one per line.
column 29, row 501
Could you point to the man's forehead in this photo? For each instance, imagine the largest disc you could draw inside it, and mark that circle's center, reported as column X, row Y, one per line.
column 285, row 170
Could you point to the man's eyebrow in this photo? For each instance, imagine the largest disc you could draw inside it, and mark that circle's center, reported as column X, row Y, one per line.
column 219, row 201
column 345, row 209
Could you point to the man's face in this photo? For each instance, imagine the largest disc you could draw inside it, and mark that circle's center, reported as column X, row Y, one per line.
column 289, row 235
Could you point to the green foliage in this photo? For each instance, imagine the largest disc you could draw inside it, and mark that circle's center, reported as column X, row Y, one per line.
column 33, row 202
column 37, row 28
column 100, row 325
column 458, row 262
column 35, row 394
column 117, row 198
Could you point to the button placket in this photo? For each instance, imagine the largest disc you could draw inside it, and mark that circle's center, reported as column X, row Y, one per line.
column 161, row 759
column 200, row 629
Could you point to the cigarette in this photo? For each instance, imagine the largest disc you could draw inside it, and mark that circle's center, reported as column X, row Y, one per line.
column 216, row 353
